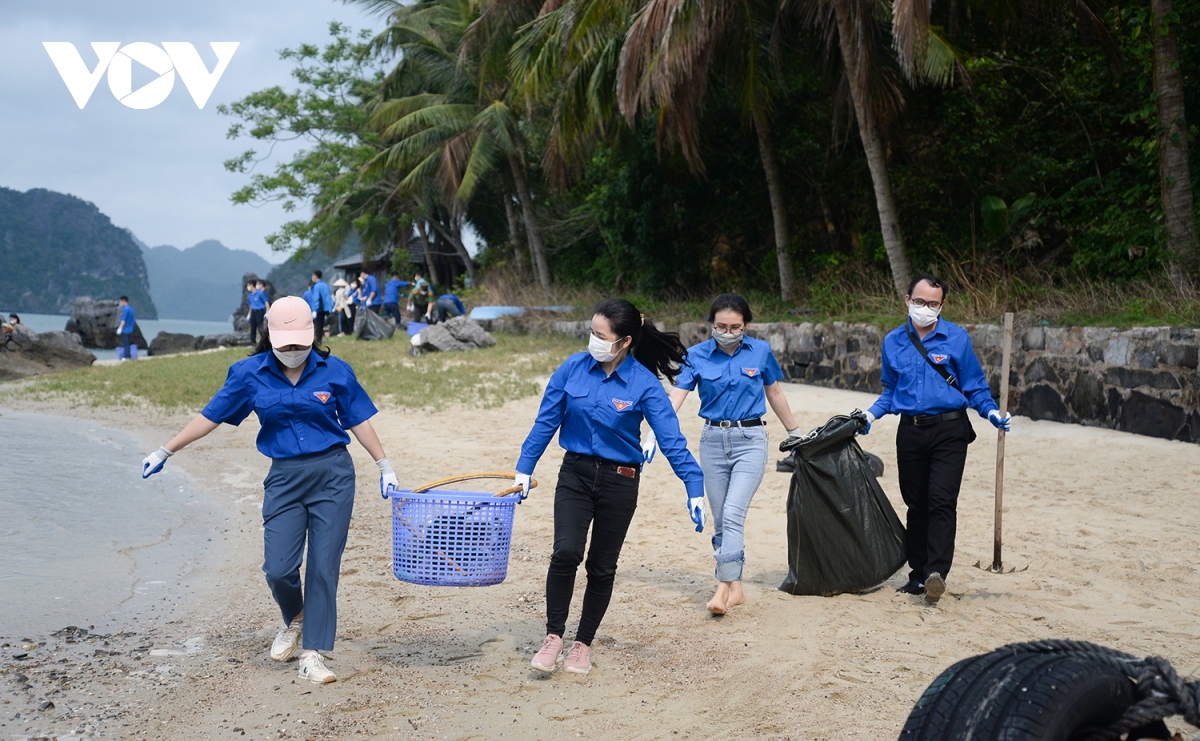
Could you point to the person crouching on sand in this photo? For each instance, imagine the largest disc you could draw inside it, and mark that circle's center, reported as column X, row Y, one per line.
column 305, row 400
column 596, row 401
column 735, row 375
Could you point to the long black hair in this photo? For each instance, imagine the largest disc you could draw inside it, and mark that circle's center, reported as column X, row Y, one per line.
column 264, row 343
column 730, row 302
column 661, row 352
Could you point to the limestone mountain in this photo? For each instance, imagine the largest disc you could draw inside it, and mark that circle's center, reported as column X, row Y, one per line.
column 55, row 247
column 201, row 282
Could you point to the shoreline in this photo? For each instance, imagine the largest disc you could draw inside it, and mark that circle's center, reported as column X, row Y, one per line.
column 1103, row 520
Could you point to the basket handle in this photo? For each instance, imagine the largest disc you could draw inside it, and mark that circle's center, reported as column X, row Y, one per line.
column 471, row 476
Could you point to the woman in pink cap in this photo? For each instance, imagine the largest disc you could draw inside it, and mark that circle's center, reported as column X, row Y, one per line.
column 306, row 401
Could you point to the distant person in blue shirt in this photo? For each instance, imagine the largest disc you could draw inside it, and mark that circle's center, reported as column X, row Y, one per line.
column 446, row 307
column 321, row 302
column 370, row 291
column 306, row 401
column 391, row 298
column 736, row 376
column 256, row 297
column 125, row 325
column 596, row 402
column 934, row 432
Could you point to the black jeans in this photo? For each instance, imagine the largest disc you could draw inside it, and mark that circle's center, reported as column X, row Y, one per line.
column 592, row 494
column 256, row 324
column 930, row 462
column 319, row 326
column 393, row 311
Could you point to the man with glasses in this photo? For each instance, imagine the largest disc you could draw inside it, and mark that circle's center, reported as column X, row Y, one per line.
column 930, row 376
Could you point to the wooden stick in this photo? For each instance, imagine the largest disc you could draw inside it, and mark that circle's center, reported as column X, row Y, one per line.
column 997, row 563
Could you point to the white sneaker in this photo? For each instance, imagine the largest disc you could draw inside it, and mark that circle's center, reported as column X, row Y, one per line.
column 287, row 642
column 312, row 668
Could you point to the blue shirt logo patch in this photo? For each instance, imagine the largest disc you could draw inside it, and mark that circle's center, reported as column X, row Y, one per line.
column 938, row 358
column 322, row 395
column 752, row 372
column 621, row 405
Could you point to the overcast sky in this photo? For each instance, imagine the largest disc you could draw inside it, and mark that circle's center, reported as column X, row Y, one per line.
column 159, row 171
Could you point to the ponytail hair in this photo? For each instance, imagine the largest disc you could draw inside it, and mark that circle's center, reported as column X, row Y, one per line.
column 661, row 352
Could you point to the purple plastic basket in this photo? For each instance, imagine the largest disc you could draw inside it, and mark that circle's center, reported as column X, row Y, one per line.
column 451, row 538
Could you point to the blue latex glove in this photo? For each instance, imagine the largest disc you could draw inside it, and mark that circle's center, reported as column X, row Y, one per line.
column 695, row 507
column 154, row 462
column 1000, row 423
column 649, row 446
column 522, row 480
column 387, row 477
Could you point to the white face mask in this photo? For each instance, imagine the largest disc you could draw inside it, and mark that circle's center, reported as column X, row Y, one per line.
column 292, row 358
column 923, row 316
column 601, row 351
column 726, row 339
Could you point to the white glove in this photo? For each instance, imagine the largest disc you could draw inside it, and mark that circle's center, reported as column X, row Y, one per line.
column 1000, row 423
column 649, row 446
column 314, row 315
column 695, row 507
column 794, row 433
column 387, row 477
column 154, row 462
column 522, row 480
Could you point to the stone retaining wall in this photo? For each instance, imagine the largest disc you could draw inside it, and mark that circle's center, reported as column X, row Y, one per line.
column 1142, row 380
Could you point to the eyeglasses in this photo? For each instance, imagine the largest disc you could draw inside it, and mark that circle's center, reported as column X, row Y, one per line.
column 935, row 305
column 729, row 330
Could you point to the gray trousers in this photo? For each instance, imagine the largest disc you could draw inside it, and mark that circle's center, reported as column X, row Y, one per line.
column 310, row 497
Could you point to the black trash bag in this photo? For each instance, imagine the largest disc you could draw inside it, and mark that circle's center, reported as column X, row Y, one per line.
column 370, row 326
column 843, row 535
column 787, row 465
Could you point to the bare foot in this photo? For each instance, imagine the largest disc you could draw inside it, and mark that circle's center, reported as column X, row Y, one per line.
column 717, row 604
column 736, row 595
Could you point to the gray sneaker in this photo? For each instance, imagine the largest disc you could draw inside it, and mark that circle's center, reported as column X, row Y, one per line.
column 287, row 642
column 935, row 587
column 312, row 669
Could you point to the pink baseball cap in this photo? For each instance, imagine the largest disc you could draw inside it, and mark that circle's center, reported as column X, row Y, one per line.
column 290, row 322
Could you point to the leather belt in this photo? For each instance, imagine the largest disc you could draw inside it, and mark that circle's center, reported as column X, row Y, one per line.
column 925, row 420
column 727, row 423
column 622, row 469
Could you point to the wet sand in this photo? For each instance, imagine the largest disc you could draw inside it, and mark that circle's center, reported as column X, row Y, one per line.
column 1105, row 522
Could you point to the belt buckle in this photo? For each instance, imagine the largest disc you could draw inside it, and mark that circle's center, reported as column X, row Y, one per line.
column 726, row 424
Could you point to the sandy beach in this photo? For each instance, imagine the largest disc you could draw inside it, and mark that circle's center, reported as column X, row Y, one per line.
column 1102, row 526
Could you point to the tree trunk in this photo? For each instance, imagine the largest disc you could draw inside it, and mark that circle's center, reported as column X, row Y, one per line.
column 456, row 242
column 1174, row 175
column 430, row 265
column 868, row 130
column 770, row 161
column 514, row 233
column 531, row 225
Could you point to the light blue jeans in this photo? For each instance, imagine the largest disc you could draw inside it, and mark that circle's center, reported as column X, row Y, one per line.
column 734, row 460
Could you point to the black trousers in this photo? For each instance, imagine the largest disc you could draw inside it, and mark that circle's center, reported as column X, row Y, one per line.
column 591, row 494
column 319, row 326
column 256, row 320
column 930, row 462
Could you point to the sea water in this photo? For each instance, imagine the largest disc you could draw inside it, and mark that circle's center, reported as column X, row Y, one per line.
column 84, row 540
column 150, row 328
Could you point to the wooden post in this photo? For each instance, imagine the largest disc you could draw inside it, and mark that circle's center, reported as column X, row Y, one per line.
column 997, row 563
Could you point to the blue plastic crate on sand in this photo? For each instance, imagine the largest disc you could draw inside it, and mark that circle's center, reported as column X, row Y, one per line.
column 451, row 538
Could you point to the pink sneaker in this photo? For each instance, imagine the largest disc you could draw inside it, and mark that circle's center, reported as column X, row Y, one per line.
column 547, row 656
column 579, row 658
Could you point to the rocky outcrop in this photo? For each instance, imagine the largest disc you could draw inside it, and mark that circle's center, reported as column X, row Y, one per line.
column 96, row 323
column 170, row 343
column 1143, row 380
column 454, row 335
column 31, row 353
column 240, row 323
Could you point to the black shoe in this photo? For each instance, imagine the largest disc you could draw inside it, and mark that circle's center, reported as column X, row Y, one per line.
column 935, row 587
column 912, row 587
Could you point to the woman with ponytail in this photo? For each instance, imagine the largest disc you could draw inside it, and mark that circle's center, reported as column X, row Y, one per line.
column 596, row 401
column 735, row 375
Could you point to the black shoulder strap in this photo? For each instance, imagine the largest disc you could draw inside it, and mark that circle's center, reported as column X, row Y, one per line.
column 941, row 369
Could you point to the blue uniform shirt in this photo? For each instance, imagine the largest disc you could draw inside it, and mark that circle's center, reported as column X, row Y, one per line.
column 257, row 299
column 372, row 287
column 602, row 416
column 911, row 387
column 308, row 299
column 731, row 386
column 127, row 317
column 319, row 299
column 310, row 417
column 391, row 290
column 461, row 309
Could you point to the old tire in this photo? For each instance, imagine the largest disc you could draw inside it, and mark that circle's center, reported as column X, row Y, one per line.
column 1004, row 696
